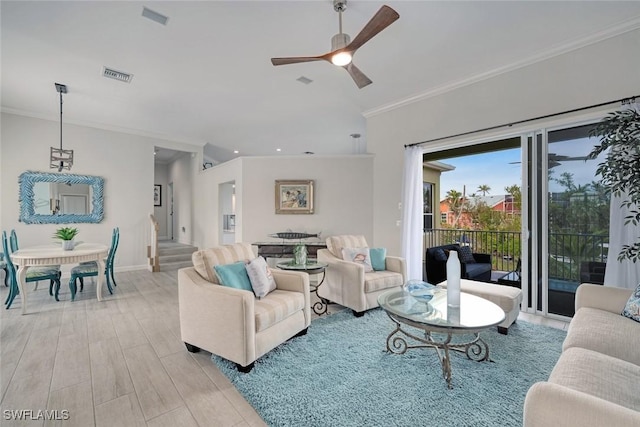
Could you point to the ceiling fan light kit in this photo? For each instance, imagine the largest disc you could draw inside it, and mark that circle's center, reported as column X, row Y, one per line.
column 343, row 49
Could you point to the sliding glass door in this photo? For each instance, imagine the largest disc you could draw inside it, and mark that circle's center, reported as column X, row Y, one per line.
column 577, row 220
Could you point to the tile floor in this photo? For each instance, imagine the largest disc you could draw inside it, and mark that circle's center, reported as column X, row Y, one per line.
column 116, row 363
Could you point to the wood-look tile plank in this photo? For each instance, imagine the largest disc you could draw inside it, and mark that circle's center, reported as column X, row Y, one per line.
column 121, row 412
column 160, row 337
column 77, row 400
column 233, row 396
column 26, row 392
column 207, row 403
column 128, row 330
column 39, row 353
column 110, row 376
column 72, row 362
column 74, row 319
column 100, row 326
column 6, row 373
column 155, row 390
column 178, row 417
column 140, row 307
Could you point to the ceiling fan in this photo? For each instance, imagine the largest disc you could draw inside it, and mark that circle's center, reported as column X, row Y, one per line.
column 555, row 159
column 342, row 48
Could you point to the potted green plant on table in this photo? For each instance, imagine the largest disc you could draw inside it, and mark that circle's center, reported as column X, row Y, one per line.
column 66, row 234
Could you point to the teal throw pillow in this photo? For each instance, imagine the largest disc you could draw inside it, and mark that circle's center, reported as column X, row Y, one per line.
column 234, row 275
column 632, row 308
column 378, row 256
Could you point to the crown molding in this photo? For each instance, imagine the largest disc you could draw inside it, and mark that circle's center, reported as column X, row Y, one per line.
column 613, row 31
column 103, row 126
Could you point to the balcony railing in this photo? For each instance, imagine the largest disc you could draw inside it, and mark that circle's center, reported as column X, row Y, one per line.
column 566, row 251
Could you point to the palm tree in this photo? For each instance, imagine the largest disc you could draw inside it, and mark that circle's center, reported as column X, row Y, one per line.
column 484, row 189
column 456, row 203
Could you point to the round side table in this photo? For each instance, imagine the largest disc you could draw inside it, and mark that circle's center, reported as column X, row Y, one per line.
column 320, row 307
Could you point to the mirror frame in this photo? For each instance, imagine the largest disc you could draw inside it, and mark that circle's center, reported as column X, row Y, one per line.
column 28, row 179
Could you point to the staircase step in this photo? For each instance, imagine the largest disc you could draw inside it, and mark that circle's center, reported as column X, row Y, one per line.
column 175, row 258
column 184, row 250
column 175, row 265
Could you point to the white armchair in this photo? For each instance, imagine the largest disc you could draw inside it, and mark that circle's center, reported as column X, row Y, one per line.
column 346, row 282
column 233, row 323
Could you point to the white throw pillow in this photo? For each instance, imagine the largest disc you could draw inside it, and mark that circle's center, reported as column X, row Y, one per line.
column 260, row 276
column 359, row 256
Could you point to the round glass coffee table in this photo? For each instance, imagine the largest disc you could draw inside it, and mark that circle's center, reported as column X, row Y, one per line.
column 320, row 307
column 440, row 324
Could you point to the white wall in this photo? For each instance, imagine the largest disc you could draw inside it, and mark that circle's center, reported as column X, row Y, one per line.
column 343, row 197
column 594, row 74
column 161, row 177
column 181, row 173
column 124, row 161
column 206, row 217
column 343, row 191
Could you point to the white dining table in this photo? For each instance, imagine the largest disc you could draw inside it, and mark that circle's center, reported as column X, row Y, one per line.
column 55, row 255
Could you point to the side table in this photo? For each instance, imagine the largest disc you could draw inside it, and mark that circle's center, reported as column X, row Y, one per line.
column 320, row 307
column 510, row 279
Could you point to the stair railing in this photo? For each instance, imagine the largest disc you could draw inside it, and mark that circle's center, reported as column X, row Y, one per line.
column 152, row 249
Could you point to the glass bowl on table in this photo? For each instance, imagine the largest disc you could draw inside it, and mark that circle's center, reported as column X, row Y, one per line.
column 420, row 291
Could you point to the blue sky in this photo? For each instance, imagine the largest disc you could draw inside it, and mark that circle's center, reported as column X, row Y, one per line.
column 496, row 170
column 492, row 169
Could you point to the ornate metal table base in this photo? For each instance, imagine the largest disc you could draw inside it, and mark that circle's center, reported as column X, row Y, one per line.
column 475, row 349
column 320, row 307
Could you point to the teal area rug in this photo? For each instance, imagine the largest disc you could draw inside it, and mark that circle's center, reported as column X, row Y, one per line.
column 340, row 374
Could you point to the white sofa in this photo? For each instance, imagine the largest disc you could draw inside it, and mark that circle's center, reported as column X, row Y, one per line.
column 346, row 282
column 596, row 381
column 233, row 323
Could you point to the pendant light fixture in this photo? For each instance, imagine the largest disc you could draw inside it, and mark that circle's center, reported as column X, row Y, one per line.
column 61, row 159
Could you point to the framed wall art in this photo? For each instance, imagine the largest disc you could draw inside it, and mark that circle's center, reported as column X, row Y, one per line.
column 294, row 196
column 157, row 195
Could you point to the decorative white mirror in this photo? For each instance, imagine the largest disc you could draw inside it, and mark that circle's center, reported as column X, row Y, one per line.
column 57, row 198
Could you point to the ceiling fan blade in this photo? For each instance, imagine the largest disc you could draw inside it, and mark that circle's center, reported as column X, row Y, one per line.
column 381, row 20
column 357, row 75
column 297, row 59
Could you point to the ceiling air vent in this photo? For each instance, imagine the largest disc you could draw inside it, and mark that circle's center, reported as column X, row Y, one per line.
column 154, row 16
column 117, row 75
column 305, row 80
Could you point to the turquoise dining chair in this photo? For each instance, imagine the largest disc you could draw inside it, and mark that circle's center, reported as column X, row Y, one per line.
column 3, row 266
column 115, row 239
column 13, row 245
column 34, row 274
column 89, row 269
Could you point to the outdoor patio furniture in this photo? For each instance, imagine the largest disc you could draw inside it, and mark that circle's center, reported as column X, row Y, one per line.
column 436, row 264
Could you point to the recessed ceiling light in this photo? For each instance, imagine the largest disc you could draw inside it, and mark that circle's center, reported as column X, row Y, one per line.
column 154, row 16
column 278, row 149
column 235, row 151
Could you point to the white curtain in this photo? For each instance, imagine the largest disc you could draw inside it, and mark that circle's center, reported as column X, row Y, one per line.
column 625, row 274
column 412, row 212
